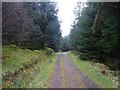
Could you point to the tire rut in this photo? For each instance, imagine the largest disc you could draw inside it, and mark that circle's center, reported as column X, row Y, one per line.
column 68, row 75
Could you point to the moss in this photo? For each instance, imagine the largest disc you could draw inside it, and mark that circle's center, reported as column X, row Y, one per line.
column 49, row 51
column 12, row 47
column 20, row 66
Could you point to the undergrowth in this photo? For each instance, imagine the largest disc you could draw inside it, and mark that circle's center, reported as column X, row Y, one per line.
column 94, row 71
column 22, row 67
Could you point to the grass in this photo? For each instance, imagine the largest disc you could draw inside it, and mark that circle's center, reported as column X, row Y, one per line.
column 43, row 79
column 103, row 81
column 14, row 57
column 24, row 68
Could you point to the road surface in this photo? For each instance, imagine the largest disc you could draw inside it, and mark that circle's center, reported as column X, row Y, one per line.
column 68, row 75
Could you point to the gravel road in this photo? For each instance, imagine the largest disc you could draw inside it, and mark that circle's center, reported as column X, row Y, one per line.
column 68, row 75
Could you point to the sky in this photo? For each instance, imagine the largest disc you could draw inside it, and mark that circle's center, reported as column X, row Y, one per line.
column 66, row 14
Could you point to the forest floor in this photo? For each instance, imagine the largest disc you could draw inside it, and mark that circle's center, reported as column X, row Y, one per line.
column 68, row 75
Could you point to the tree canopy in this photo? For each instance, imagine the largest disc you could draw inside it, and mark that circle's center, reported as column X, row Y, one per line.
column 95, row 31
column 31, row 25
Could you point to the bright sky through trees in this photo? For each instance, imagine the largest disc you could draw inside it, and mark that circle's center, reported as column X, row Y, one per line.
column 66, row 15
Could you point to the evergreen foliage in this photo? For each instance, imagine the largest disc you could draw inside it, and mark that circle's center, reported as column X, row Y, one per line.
column 32, row 25
column 95, row 32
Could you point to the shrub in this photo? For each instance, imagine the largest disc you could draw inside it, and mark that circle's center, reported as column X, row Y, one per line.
column 49, row 51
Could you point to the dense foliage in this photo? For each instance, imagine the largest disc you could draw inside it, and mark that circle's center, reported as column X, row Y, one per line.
column 95, row 32
column 31, row 25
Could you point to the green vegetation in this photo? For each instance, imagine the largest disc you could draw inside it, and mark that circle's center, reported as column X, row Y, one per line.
column 31, row 33
column 20, row 66
column 95, row 33
column 95, row 37
column 93, row 70
column 43, row 79
column 35, row 25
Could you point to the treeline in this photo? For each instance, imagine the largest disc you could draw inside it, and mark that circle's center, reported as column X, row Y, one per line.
column 32, row 25
column 65, row 44
column 95, row 33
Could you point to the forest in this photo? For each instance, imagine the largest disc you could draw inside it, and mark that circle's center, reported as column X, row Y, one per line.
column 95, row 33
column 31, row 25
column 35, row 55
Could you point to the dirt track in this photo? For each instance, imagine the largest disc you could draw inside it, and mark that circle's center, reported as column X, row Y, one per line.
column 67, row 74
